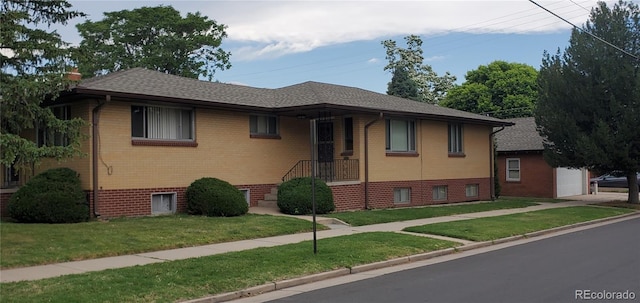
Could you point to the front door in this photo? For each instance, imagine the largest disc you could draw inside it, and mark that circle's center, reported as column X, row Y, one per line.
column 325, row 141
column 325, row 150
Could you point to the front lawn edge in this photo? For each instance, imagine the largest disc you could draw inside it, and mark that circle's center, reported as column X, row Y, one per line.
column 268, row 287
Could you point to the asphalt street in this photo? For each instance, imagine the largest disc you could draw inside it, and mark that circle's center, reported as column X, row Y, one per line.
column 585, row 266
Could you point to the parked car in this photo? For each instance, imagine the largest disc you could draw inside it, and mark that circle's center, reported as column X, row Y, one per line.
column 614, row 180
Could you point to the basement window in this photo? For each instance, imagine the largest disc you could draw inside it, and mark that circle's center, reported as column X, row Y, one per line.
column 163, row 203
column 440, row 193
column 402, row 195
column 472, row 190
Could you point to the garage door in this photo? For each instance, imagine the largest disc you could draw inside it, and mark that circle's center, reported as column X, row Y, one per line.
column 570, row 182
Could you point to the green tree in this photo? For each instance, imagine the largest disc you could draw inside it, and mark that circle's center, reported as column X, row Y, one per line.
column 402, row 86
column 156, row 38
column 34, row 63
column 500, row 89
column 431, row 87
column 589, row 104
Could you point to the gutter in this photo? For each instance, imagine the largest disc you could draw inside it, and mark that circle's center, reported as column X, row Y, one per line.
column 95, row 118
column 366, row 159
column 492, row 186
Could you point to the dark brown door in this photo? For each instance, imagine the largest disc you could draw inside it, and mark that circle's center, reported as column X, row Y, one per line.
column 325, row 141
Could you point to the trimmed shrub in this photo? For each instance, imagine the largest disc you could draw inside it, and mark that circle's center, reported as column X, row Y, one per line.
column 215, row 198
column 54, row 196
column 294, row 197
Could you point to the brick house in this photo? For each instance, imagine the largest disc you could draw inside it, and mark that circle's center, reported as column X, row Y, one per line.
column 152, row 134
column 522, row 170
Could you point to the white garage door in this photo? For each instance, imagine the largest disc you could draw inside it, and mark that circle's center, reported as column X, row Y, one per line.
column 570, row 182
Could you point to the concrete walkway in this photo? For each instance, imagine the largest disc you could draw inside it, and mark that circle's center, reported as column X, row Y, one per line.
column 77, row 267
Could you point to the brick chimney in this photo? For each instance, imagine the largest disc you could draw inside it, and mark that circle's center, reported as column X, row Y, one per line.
column 74, row 75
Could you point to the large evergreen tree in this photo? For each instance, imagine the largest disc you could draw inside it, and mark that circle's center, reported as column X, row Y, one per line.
column 402, row 86
column 156, row 38
column 500, row 89
column 431, row 87
column 34, row 62
column 589, row 99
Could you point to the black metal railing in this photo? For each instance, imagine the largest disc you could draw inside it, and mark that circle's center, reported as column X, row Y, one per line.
column 336, row 170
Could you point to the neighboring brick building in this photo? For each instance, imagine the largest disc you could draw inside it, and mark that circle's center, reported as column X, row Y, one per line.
column 152, row 134
column 522, row 170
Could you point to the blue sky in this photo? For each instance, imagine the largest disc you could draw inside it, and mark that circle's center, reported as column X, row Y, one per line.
column 280, row 43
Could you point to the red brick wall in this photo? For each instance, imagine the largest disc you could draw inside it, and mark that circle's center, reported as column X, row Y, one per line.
column 137, row 202
column 134, row 202
column 348, row 197
column 536, row 177
column 351, row 197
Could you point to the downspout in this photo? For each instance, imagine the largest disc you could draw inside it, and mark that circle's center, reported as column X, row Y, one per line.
column 366, row 159
column 491, row 165
column 95, row 118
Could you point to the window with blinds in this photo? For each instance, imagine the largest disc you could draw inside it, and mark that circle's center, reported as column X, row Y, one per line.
column 162, row 123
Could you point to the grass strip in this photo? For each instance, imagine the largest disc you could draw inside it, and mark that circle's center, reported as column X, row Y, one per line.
column 491, row 228
column 368, row 217
column 36, row 244
column 196, row 278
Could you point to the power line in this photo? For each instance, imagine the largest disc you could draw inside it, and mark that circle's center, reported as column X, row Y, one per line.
column 588, row 33
column 576, row 3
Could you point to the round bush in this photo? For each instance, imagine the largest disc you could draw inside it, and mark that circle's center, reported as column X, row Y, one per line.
column 54, row 196
column 294, row 197
column 215, row 198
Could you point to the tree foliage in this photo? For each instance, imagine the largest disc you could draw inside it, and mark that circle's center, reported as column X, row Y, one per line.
column 500, row 89
column 589, row 105
column 156, row 38
column 402, row 86
column 431, row 87
column 34, row 63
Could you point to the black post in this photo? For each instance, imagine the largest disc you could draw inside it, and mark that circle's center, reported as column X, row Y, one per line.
column 312, row 135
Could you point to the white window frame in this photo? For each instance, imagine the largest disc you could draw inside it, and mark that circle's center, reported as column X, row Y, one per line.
column 438, row 194
column 410, row 135
column 472, row 190
column 456, row 138
column 508, row 169
column 264, row 120
column 173, row 206
column 167, row 133
column 402, row 195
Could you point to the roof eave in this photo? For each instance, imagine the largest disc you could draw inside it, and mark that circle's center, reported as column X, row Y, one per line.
column 297, row 110
column 81, row 93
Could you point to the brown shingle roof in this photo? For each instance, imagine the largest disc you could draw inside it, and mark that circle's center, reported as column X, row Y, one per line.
column 140, row 82
column 523, row 136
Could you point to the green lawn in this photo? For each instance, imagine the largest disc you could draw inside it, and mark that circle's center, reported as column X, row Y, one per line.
column 368, row 217
column 199, row 277
column 35, row 244
column 485, row 229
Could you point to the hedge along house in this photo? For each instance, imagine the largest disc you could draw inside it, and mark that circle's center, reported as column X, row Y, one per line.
column 522, row 170
column 152, row 134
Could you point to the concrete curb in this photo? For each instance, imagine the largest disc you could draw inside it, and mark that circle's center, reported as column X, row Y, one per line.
column 256, row 290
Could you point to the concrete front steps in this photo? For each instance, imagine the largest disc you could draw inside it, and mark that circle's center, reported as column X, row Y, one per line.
column 270, row 199
column 269, row 205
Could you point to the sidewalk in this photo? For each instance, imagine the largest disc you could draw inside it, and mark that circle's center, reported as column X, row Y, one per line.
column 77, row 267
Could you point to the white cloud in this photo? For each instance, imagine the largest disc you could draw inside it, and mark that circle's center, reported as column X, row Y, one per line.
column 373, row 60
column 275, row 28
column 7, row 52
column 268, row 29
column 434, row 58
